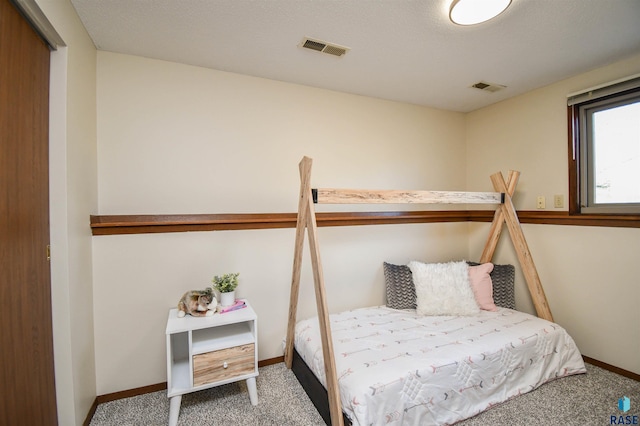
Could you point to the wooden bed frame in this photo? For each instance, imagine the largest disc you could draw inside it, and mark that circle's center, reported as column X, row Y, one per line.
column 505, row 213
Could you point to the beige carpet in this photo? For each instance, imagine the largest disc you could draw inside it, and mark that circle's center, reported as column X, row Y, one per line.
column 582, row 400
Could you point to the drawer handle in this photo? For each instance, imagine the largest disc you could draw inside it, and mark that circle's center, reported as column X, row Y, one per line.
column 225, row 365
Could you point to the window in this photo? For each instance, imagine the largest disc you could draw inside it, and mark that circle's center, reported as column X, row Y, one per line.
column 604, row 157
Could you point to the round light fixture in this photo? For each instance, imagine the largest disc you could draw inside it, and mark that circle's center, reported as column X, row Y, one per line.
column 470, row 12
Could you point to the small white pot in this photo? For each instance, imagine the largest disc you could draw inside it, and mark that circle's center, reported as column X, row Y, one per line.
column 227, row 299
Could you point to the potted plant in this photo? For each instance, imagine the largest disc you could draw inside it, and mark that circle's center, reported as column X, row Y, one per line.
column 226, row 284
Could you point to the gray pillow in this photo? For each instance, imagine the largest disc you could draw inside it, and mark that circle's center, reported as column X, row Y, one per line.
column 401, row 292
column 502, row 278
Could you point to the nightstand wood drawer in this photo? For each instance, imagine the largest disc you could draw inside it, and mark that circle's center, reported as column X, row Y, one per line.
column 224, row 364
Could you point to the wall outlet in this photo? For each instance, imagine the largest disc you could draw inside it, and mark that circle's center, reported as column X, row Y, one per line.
column 558, row 201
column 540, row 202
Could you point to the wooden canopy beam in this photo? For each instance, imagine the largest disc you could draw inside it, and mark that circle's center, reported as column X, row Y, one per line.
column 364, row 196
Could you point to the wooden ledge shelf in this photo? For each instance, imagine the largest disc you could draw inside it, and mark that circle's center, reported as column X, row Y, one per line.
column 144, row 224
column 564, row 218
column 147, row 224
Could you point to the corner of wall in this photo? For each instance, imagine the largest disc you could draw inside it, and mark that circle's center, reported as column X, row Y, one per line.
column 73, row 197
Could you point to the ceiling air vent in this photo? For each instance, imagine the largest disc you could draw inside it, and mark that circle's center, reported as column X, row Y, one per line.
column 324, row 47
column 488, row 87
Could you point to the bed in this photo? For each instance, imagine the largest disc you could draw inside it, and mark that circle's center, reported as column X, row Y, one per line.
column 396, row 367
column 437, row 360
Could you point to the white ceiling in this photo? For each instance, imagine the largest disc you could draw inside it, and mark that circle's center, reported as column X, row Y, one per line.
column 402, row 50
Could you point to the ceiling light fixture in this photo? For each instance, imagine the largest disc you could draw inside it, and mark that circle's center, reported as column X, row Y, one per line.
column 471, row 12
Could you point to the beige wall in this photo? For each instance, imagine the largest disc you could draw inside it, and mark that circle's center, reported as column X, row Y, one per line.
column 179, row 139
column 588, row 273
column 73, row 197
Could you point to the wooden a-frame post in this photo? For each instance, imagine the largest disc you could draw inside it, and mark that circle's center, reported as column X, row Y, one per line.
column 307, row 219
column 509, row 215
column 505, row 213
column 498, row 221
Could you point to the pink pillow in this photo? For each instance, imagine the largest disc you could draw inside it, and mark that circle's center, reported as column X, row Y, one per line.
column 482, row 286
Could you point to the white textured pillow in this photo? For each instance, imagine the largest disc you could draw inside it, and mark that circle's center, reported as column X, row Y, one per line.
column 443, row 288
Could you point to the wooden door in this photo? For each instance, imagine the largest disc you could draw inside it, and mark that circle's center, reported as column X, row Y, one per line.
column 27, row 388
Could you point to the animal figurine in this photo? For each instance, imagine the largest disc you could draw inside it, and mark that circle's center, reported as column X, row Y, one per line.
column 198, row 303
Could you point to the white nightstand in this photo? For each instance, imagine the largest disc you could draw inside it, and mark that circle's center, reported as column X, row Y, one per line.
column 203, row 352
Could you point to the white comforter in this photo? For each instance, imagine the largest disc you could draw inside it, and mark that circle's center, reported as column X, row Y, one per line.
column 395, row 367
